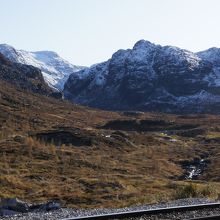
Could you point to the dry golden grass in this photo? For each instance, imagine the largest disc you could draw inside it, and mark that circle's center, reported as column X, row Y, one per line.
column 116, row 169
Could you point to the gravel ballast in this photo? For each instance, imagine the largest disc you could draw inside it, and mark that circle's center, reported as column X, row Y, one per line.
column 68, row 212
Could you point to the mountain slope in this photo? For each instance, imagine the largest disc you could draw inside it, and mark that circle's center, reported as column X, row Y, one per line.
column 212, row 55
column 54, row 69
column 25, row 77
column 149, row 77
column 127, row 160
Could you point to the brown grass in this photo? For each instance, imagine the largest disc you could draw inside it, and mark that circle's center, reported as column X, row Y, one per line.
column 117, row 169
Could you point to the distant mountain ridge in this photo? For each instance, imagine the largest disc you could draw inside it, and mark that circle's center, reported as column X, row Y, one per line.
column 55, row 69
column 151, row 77
column 148, row 77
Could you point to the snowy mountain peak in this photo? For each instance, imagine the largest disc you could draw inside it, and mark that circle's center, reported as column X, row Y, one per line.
column 9, row 52
column 150, row 77
column 182, row 56
column 143, row 44
column 6, row 46
column 212, row 55
column 55, row 69
column 210, row 50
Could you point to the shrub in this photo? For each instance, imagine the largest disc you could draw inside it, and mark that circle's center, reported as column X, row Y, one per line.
column 192, row 190
column 188, row 191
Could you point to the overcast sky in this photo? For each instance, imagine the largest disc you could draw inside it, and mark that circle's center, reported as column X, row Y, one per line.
column 89, row 31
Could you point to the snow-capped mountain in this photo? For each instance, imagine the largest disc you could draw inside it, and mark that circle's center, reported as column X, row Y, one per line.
column 55, row 69
column 151, row 77
column 25, row 77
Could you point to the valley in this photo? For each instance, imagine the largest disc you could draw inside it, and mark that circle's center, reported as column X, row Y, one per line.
column 89, row 158
column 109, row 109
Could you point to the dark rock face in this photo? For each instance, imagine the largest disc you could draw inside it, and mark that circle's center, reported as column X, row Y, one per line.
column 27, row 78
column 150, row 77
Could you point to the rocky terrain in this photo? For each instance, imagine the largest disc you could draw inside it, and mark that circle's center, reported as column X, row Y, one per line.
column 150, row 77
column 55, row 69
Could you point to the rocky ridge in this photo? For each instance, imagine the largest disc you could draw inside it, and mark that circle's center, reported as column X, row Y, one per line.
column 151, row 77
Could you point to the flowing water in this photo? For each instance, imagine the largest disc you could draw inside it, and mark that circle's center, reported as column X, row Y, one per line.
column 194, row 169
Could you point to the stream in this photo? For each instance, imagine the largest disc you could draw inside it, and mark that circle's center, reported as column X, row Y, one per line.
column 194, row 168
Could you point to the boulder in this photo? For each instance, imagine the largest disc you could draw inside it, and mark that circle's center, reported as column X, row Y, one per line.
column 13, row 204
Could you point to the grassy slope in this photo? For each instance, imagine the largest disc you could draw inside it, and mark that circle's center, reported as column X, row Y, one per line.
column 129, row 167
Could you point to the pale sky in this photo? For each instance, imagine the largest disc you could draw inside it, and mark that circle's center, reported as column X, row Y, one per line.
column 90, row 31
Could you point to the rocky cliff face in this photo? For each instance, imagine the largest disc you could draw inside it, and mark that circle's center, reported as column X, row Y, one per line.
column 150, row 77
column 27, row 78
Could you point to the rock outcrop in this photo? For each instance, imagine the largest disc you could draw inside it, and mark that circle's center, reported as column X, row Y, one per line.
column 25, row 77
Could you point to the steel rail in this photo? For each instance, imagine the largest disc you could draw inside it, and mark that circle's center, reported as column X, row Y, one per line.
column 139, row 213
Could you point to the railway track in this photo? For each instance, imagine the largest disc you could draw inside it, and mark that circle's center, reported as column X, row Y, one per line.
column 214, row 217
column 146, row 214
